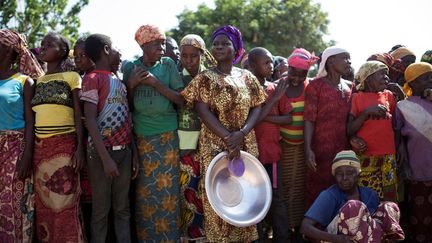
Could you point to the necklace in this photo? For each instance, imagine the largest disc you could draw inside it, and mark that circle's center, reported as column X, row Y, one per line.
column 223, row 73
column 339, row 87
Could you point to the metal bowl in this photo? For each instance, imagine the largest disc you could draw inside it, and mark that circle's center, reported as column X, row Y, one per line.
column 241, row 201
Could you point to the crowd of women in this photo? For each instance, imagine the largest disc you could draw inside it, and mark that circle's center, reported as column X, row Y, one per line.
column 89, row 143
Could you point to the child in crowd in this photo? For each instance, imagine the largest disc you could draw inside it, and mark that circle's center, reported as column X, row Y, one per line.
column 84, row 65
column 59, row 148
column 267, row 136
column 370, row 121
column 193, row 55
column 110, row 149
column 293, row 167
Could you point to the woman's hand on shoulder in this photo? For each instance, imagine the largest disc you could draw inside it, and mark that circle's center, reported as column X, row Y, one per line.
column 138, row 75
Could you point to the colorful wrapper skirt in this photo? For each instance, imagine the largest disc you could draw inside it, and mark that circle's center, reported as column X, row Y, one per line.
column 293, row 173
column 355, row 221
column 191, row 202
column 157, row 212
column 420, row 211
column 57, row 190
column 16, row 196
column 379, row 174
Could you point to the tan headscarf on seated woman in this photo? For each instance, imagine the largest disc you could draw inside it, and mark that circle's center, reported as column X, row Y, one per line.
column 198, row 42
column 28, row 63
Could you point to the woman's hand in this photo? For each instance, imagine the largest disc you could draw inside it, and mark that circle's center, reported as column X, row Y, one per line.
column 358, row 144
column 24, row 167
column 377, row 112
column 234, row 140
column 78, row 160
column 310, row 160
column 138, row 75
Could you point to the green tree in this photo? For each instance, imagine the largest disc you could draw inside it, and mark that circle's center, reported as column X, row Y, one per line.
column 35, row 18
column 278, row 25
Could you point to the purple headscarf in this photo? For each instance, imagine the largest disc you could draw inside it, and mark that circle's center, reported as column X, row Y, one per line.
column 235, row 36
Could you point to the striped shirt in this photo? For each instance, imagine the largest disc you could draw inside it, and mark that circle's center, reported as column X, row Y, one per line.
column 293, row 132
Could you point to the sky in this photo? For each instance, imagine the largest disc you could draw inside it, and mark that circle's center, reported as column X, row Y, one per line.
column 363, row 27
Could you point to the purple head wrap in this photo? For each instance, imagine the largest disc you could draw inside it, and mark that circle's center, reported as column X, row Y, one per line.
column 235, row 36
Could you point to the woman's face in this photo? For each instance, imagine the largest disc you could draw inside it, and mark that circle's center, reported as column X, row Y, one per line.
column 223, row 49
column 346, row 177
column 52, row 49
column 421, row 83
column 154, row 50
column 408, row 60
column 82, row 62
column 296, row 76
column 190, row 58
column 377, row 81
column 341, row 63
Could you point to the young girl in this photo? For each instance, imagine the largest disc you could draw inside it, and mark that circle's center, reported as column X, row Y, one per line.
column 58, row 153
column 370, row 119
column 16, row 137
column 193, row 55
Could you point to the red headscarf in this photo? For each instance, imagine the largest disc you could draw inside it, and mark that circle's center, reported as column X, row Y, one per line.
column 302, row 59
column 28, row 63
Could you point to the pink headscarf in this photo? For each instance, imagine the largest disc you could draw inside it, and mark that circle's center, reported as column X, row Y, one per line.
column 148, row 33
column 302, row 59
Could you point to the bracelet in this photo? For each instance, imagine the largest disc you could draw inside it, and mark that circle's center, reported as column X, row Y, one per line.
column 242, row 131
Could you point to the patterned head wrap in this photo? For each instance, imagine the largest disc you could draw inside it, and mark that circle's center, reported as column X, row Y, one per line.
column 427, row 57
column 330, row 51
column 302, row 59
column 198, row 42
column 28, row 63
column 345, row 157
column 235, row 36
column 367, row 69
column 401, row 52
column 412, row 72
column 385, row 58
column 148, row 33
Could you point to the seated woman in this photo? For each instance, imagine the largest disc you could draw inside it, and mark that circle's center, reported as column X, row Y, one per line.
column 346, row 212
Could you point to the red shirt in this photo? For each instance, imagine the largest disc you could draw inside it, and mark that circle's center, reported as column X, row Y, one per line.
column 378, row 134
column 267, row 134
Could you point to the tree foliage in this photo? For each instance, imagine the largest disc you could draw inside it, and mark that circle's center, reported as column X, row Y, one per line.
column 35, row 18
column 278, row 25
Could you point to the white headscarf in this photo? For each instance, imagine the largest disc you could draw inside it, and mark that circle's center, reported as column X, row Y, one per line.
column 330, row 51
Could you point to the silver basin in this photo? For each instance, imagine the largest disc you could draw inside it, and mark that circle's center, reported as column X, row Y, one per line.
column 241, row 201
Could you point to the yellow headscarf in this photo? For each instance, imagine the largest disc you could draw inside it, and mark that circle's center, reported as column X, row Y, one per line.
column 401, row 52
column 198, row 42
column 412, row 72
column 367, row 69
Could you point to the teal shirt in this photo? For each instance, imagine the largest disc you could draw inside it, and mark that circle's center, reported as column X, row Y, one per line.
column 12, row 102
column 153, row 113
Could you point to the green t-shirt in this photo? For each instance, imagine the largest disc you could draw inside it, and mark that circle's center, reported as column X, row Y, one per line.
column 153, row 113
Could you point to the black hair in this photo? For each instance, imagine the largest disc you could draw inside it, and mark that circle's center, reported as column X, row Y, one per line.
column 80, row 41
column 255, row 53
column 63, row 41
column 278, row 60
column 396, row 47
column 95, row 44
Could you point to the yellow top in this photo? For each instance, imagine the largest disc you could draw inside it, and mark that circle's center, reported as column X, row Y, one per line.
column 53, row 104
